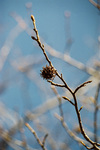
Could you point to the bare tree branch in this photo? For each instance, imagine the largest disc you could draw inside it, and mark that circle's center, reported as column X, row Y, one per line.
column 82, row 85
column 35, row 135
column 66, row 86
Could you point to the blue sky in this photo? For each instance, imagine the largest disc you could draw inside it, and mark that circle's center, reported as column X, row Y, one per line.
column 82, row 27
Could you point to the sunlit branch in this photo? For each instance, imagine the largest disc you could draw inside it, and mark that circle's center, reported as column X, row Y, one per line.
column 68, row 100
column 95, row 4
column 66, row 86
column 52, row 83
column 82, row 85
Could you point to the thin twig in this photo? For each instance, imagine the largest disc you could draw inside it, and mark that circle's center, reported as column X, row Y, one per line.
column 56, row 84
column 38, row 40
column 54, row 53
column 82, row 85
column 80, row 108
column 68, row 100
column 61, row 118
column 42, row 48
column 79, row 140
column 44, row 139
column 35, row 135
column 67, row 87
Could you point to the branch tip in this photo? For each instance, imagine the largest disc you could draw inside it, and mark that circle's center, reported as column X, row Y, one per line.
column 68, row 100
column 82, row 85
column 80, row 108
column 32, row 17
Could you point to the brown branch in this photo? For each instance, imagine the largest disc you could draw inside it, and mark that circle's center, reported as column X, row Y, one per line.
column 54, row 53
column 80, row 108
column 71, row 134
column 76, row 108
column 66, row 86
column 68, row 100
column 52, row 83
column 61, row 118
column 38, row 40
column 80, row 122
column 35, row 135
column 44, row 139
column 42, row 48
column 82, row 85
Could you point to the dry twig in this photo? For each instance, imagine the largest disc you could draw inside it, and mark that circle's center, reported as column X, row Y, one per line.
column 68, row 100
column 35, row 135
column 37, row 39
column 82, row 85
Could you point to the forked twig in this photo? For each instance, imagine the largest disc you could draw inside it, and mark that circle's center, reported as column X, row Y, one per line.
column 35, row 135
column 79, row 140
column 37, row 39
column 61, row 118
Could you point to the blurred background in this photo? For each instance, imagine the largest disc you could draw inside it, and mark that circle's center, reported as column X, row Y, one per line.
column 70, row 31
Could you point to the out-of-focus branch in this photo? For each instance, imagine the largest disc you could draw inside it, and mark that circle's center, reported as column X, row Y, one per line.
column 95, row 113
column 61, row 118
column 35, row 135
column 6, row 48
column 95, row 4
column 55, row 53
column 59, row 100
column 71, row 134
column 44, row 139
column 68, row 59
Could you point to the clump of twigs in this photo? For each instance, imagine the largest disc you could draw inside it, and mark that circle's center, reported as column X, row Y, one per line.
column 48, row 73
